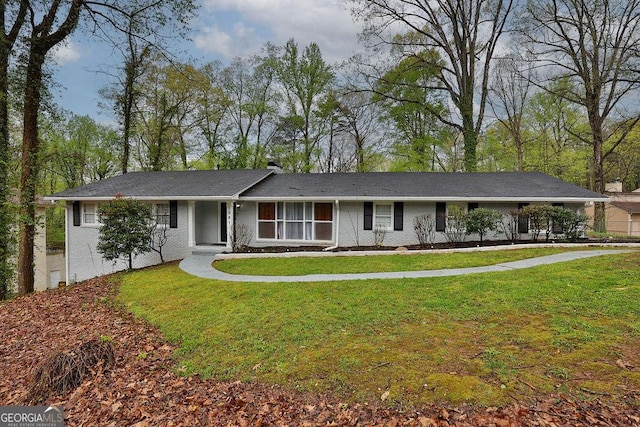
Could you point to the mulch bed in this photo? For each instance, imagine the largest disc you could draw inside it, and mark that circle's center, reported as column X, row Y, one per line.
column 143, row 387
column 440, row 245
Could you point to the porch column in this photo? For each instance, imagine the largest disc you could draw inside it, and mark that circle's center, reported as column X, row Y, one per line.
column 191, row 223
column 231, row 207
column 336, row 224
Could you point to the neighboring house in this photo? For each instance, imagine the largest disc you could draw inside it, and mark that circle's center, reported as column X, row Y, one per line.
column 622, row 213
column 202, row 208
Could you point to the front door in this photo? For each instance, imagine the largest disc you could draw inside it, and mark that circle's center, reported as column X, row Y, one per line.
column 223, row 222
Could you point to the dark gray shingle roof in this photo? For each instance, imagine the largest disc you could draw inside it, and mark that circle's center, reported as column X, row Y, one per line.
column 252, row 184
column 630, row 207
column 421, row 185
column 170, row 184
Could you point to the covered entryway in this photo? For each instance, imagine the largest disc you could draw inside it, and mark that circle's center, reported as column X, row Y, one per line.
column 210, row 223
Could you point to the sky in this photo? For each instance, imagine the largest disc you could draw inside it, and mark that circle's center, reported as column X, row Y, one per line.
column 222, row 30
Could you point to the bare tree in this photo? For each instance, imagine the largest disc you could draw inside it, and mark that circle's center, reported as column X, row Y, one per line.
column 466, row 33
column 511, row 89
column 595, row 46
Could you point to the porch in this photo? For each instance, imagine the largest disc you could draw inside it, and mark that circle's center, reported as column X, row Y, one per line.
column 209, row 224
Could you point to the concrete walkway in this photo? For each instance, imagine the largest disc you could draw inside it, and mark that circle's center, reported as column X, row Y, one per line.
column 201, row 265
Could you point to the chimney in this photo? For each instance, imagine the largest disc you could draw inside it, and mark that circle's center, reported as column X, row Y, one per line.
column 613, row 187
column 273, row 166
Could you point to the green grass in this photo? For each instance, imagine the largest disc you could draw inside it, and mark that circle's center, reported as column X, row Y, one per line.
column 484, row 339
column 298, row 266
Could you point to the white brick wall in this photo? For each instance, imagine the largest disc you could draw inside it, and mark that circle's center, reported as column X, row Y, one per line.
column 85, row 262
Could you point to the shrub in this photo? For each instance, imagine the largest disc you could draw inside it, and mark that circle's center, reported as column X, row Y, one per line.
column 455, row 230
column 480, row 221
column 425, row 228
column 508, row 225
column 241, row 238
column 539, row 219
column 568, row 222
column 379, row 233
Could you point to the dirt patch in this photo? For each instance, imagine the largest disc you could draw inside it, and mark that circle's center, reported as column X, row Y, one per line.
column 144, row 389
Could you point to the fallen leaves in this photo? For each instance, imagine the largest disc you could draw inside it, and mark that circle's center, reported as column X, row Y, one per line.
column 144, row 389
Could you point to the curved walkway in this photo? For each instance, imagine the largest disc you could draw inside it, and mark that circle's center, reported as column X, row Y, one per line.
column 201, row 265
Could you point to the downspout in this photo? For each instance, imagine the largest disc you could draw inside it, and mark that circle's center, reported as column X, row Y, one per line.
column 337, row 243
column 67, row 264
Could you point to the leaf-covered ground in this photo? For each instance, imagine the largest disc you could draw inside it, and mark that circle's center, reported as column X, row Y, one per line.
column 143, row 389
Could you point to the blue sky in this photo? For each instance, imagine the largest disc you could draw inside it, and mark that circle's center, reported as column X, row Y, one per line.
column 223, row 30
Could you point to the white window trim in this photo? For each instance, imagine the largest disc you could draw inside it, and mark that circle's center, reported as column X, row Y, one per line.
column 96, row 207
column 375, row 215
column 155, row 213
column 284, row 221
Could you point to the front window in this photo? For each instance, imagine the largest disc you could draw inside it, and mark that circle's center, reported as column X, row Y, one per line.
column 162, row 213
column 383, row 216
column 295, row 221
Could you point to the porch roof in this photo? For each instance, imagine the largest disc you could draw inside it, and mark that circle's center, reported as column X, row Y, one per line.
column 175, row 185
column 407, row 186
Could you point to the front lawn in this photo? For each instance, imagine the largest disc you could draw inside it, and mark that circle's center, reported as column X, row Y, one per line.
column 345, row 264
column 571, row 328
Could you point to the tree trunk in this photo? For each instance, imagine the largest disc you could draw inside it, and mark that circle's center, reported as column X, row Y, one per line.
column 29, row 171
column 7, row 41
column 469, row 134
column 42, row 41
column 599, row 224
column 595, row 123
column 470, row 149
column 5, row 217
column 127, row 108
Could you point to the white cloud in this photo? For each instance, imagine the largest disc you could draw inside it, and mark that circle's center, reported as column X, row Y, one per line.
column 240, row 40
column 255, row 22
column 66, row 53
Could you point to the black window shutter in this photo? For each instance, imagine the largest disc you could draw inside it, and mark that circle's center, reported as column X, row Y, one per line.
column 368, row 215
column 76, row 214
column 523, row 220
column 441, row 216
column 398, row 214
column 557, row 228
column 173, row 214
column 472, row 206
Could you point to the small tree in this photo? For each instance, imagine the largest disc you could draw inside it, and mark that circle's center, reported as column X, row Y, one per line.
column 481, row 220
column 127, row 228
column 425, row 227
column 159, row 237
